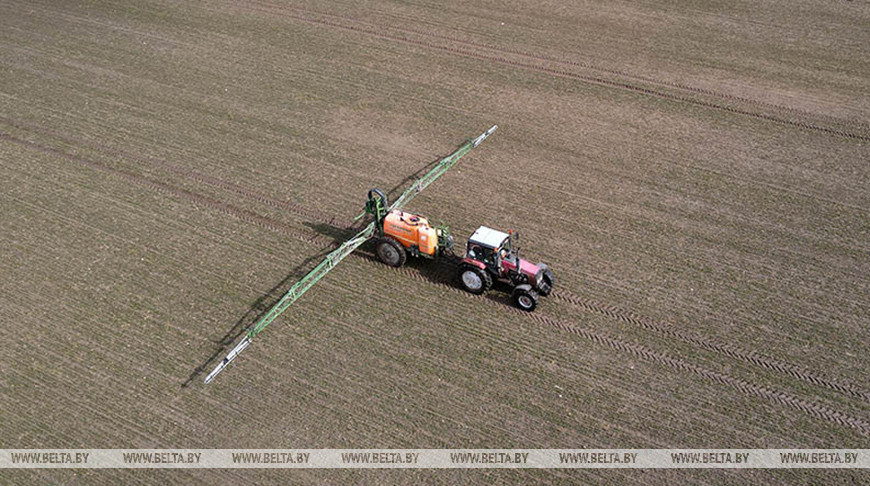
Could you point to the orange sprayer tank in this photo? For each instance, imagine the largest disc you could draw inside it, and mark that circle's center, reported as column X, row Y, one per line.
column 411, row 230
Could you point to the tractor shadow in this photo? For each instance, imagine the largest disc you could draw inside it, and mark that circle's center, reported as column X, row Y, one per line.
column 449, row 275
column 255, row 312
column 445, row 271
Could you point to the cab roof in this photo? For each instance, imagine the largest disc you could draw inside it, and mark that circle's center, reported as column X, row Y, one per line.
column 488, row 237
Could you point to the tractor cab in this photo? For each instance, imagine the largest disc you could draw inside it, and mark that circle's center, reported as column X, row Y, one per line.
column 491, row 247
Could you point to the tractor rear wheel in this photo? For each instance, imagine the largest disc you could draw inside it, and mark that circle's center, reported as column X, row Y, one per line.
column 391, row 252
column 525, row 298
column 474, row 280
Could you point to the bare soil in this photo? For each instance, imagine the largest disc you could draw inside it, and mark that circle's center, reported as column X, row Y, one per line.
column 695, row 173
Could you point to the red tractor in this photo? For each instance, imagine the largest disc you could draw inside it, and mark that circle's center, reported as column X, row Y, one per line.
column 493, row 254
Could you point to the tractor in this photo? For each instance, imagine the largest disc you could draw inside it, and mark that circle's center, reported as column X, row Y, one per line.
column 492, row 254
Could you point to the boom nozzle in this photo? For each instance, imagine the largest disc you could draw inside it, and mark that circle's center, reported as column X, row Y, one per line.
column 483, row 136
column 244, row 343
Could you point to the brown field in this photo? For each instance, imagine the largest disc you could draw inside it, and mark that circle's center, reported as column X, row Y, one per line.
column 696, row 173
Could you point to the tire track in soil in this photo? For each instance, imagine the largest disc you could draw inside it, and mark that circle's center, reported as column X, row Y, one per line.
column 726, row 349
column 482, row 334
column 211, row 180
column 629, row 317
column 382, row 33
column 280, row 204
column 748, row 388
column 446, row 277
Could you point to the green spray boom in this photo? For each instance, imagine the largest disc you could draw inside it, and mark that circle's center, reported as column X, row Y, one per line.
column 342, row 251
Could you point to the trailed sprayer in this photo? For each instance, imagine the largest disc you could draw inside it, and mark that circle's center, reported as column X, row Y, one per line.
column 397, row 233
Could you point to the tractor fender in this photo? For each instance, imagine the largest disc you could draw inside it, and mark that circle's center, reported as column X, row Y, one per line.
column 472, row 262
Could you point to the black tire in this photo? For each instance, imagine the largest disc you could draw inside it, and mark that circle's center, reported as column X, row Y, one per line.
column 391, row 252
column 549, row 280
column 525, row 298
column 474, row 280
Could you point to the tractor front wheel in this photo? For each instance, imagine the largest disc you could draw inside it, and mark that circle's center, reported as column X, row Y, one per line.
column 525, row 298
column 546, row 286
column 474, row 280
column 391, row 252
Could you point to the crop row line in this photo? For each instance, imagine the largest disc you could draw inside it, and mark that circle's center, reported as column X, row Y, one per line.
column 783, row 398
column 582, row 65
column 626, row 316
column 381, row 33
column 163, row 188
column 184, row 172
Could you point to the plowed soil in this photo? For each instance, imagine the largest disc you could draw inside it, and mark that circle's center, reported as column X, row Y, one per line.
column 695, row 173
